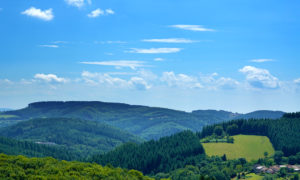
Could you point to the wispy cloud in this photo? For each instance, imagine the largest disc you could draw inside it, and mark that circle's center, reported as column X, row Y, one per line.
column 119, row 64
column 260, row 78
column 159, row 59
column 261, row 60
column 109, row 11
column 49, row 78
column 191, row 27
column 110, row 42
column 100, row 12
column 170, row 40
column 60, row 42
column 77, row 3
column 45, row 15
column 49, row 45
column 155, row 50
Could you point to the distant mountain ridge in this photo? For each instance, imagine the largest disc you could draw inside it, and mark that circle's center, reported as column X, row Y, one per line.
column 146, row 122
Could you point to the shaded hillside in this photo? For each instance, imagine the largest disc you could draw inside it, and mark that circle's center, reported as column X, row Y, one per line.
column 147, row 122
column 77, row 135
column 20, row 167
column 16, row 147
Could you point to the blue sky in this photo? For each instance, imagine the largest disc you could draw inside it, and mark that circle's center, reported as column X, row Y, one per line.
column 233, row 55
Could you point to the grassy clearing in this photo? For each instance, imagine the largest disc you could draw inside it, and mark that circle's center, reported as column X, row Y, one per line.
column 245, row 146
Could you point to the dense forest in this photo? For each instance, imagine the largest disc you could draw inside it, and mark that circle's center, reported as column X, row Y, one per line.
column 20, row 167
column 16, row 147
column 283, row 133
column 85, row 137
column 164, row 155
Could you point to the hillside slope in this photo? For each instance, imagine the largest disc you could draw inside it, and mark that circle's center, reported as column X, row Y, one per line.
column 87, row 137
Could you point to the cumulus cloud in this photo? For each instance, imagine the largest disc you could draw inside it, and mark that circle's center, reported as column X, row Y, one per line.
column 99, row 12
column 49, row 45
column 213, row 82
column 45, row 15
column 170, row 40
column 180, row 80
column 107, row 80
column 119, row 64
column 49, row 78
column 191, row 27
column 260, row 78
column 261, row 60
column 155, row 50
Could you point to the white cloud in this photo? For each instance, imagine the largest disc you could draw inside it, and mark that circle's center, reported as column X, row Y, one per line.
column 5, row 81
column 260, row 78
column 155, row 50
column 297, row 81
column 180, row 80
column 212, row 82
column 191, row 27
column 105, row 79
column 159, row 59
column 50, row 46
column 261, row 60
column 109, row 11
column 46, row 15
column 119, row 64
column 110, row 42
column 98, row 12
column 170, row 40
column 50, row 78
column 76, row 3
column 139, row 83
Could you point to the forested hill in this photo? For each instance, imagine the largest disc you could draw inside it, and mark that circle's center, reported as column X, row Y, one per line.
column 164, row 155
column 85, row 137
column 18, row 147
column 283, row 133
column 146, row 122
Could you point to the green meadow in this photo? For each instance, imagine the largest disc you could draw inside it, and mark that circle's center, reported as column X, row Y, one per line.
column 249, row 147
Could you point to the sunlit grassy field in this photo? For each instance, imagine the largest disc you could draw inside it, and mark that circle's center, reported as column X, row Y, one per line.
column 249, row 147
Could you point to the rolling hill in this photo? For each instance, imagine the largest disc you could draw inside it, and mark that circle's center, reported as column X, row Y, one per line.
column 143, row 121
column 85, row 137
